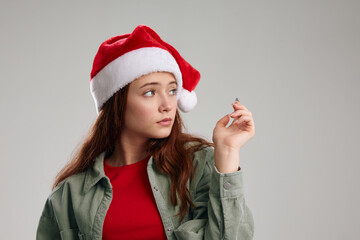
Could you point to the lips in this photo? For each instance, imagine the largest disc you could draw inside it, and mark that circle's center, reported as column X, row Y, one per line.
column 165, row 120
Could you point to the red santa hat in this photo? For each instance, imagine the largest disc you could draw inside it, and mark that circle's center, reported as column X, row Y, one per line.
column 124, row 58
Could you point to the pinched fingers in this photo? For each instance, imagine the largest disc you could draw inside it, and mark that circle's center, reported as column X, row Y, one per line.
column 239, row 113
column 237, row 106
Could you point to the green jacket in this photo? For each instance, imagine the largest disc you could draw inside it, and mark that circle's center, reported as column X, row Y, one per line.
column 77, row 207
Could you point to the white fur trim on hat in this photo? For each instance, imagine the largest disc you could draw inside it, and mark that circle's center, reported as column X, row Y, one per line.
column 129, row 67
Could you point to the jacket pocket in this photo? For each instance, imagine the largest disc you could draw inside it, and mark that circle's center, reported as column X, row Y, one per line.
column 72, row 234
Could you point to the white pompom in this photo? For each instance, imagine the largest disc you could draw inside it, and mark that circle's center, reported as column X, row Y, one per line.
column 187, row 100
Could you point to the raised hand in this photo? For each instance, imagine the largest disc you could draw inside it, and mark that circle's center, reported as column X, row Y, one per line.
column 229, row 140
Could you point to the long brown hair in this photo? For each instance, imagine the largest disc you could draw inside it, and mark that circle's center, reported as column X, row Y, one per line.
column 170, row 154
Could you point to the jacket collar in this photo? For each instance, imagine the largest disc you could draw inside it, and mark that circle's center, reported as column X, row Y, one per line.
column 96, row 173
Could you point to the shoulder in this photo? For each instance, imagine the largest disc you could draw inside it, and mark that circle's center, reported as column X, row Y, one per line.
column 203, row 162
column 204, row 155
column 59, row 198
column 72, row 184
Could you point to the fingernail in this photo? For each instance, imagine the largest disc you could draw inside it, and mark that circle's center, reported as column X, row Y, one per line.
column 236, row 99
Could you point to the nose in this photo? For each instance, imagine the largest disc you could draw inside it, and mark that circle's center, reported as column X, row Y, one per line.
column 165, row 104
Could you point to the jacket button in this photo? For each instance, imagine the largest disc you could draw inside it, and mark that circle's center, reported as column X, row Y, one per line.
column 156, row 189
column 227, row 185
column 169, row 229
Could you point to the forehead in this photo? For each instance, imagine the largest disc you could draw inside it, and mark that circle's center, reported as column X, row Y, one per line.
column 163, row 78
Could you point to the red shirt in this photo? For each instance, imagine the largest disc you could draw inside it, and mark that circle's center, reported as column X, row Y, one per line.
column 133, row 213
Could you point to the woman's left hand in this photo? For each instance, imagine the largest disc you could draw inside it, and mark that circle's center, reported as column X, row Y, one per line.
column 229, row 140
column 241, row 130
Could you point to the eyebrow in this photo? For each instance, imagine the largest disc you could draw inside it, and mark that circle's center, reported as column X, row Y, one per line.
column 156, row 83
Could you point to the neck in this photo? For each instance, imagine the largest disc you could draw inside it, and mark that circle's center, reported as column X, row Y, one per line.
column 128, row 150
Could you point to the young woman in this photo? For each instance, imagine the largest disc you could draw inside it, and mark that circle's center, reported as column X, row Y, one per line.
column 138, row 175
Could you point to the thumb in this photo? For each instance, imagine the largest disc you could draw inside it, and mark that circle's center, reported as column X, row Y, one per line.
column 223, row 121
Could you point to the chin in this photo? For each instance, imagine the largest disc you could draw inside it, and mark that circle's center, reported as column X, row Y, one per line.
column 159, row 136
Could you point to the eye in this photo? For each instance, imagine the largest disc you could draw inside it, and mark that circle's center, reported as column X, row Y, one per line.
column 146, row 94
column 174, row 91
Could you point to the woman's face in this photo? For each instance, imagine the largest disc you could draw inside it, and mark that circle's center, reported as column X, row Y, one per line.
column 151, row 98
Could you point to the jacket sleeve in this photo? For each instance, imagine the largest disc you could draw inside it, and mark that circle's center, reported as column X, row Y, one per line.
column 221, row 211
column 47, row 228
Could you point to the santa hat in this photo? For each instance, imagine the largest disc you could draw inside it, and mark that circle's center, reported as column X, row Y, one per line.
column 124, row 58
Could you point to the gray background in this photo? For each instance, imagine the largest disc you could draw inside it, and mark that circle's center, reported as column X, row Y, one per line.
column 293, row 64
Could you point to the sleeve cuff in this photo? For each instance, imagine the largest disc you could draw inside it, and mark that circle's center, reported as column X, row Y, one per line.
column 226, row 184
